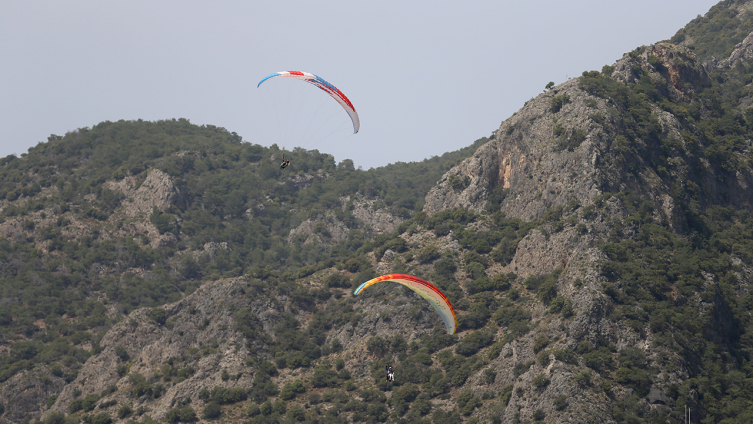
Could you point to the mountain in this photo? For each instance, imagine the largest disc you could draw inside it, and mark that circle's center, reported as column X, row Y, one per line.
column 126, row 215
column 597, row 251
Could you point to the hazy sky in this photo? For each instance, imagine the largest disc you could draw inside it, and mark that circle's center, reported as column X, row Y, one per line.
column 426, row 77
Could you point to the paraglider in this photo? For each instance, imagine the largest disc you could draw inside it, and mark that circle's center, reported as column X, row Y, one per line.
column 285, row 163
column 330, row 89
column 425, row 289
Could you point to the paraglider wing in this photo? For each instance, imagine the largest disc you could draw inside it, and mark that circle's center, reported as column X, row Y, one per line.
column 326, row 87
column 425, row 289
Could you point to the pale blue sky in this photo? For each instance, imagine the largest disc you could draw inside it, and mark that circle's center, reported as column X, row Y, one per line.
column 426, row 77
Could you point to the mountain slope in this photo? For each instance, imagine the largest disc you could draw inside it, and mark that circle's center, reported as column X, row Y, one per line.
column 657, row 152
column 596, row 250
column 137, row 214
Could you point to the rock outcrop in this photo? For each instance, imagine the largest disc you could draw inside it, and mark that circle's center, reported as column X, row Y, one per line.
column 546, row 156
column 742, row 53
column 323, row 230
column 202, row 320
column 378, row 220
column 157, row 191
column 27, row 392
column 522, row 159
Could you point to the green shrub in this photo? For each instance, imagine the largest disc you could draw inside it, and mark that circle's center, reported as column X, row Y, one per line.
column 467, row 402
column 324, row 377
column 253, row 410
column 541, row 381
column 377, row 345
column 477, row 316
column 490, row 375
column 124, row 411
column 584, row 347
column 505, row 317
column 305, row 271
column 557, row 102
column 496, row 349
column 445, row 266
column 637, row 379
column 263, row 386
column 566, row 355
column 337, row 280
column 521, row 368
column 544, row 285
column 420, row 408
column 266, row 408
column 164, row 222
column 280, row 407
column 567, row 309
column 158, row 315
column 513, row 294
column 541, row 342
column 75, row 406
column 296, row 413
column 584, row 378
column 291, row 390
column 474, row 342
column 544, row 358
column 101, row 418
column 560, row 402
column 109, row 390
column 556, row 305
column 96, row 214
column 55, row 418
column 599, row 360
column 212, row 410
column 184, row 414
column 50, row 401
column 121, row 352
column 572, row 142
column 441, row 417
column 121, row 369
column 428, row 254
column 226, row 396
column 457, row 182
column 352, row 265
column 518, row 328
column 505, row 394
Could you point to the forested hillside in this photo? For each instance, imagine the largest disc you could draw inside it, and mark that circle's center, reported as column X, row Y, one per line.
column 125, row 215
column 596, row 249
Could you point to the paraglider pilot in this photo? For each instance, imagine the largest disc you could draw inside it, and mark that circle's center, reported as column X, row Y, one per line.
column 285, row 163
column 390, row 374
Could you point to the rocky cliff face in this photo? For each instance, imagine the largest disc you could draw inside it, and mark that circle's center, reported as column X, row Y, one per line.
column 522, row 160
column 330, row 229
column 742, row 53
column 560, row 147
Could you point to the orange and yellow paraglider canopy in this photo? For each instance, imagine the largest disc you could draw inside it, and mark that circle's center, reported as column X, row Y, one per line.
column 425, row 289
